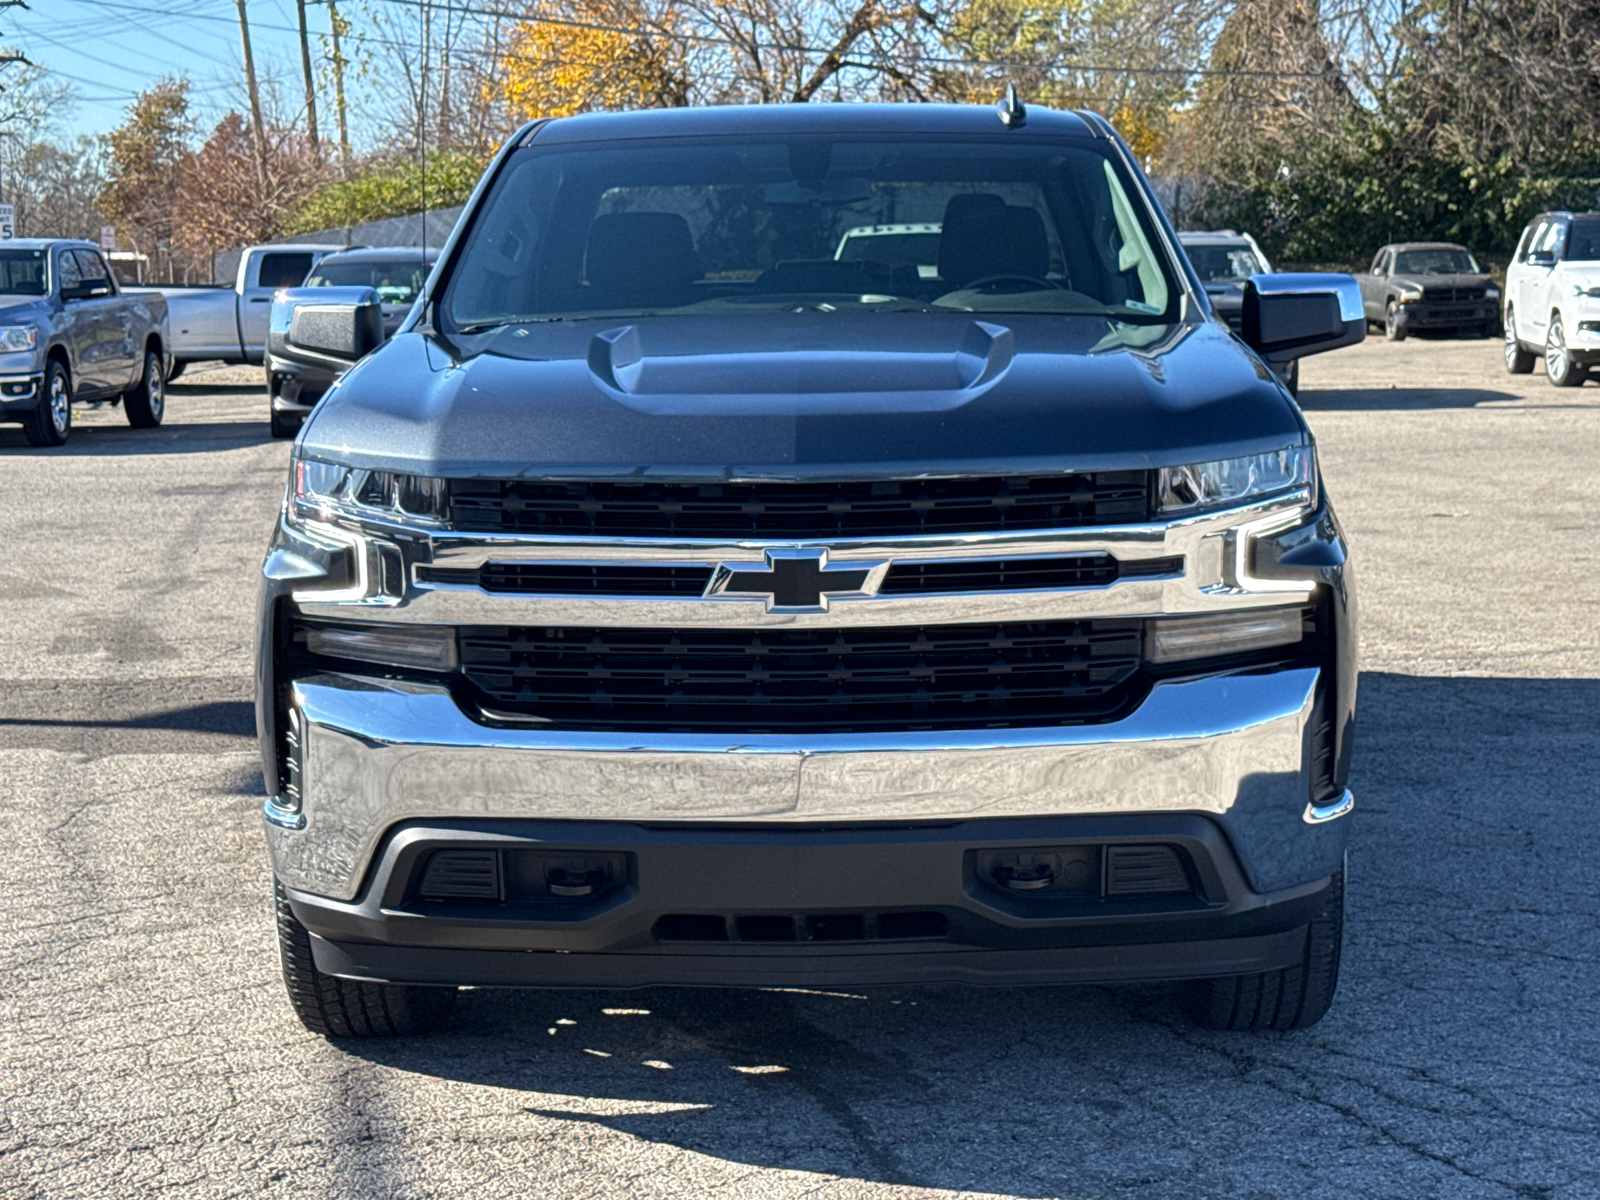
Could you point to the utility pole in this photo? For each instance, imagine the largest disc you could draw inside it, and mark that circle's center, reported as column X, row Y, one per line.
column 255, row 99
column 311, row 86
column 336, row 22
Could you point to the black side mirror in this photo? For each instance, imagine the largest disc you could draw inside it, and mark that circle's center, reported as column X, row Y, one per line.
column 1542, row 258
column 329, row 327
column 76, row 291
column 1290, row 316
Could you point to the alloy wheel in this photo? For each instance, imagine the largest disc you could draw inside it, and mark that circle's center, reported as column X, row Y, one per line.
column 60, row 415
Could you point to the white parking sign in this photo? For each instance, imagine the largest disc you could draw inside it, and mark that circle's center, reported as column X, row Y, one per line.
column 7, row 221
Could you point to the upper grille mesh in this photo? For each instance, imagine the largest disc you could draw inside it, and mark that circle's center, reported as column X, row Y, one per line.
column 863, row 508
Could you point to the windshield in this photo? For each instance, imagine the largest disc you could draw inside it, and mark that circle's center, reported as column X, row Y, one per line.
column 22, row 273
column 1436, row 260
column 1224, row 264
column 397, row 282
column 1583, row 242
column 716, row 226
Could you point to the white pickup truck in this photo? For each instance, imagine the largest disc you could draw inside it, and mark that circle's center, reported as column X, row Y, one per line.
column 230, row 323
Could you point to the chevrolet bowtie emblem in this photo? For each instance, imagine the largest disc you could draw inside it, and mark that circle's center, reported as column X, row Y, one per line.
column 795, row 581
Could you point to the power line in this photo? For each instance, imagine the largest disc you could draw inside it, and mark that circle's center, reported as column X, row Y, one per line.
column 716, row 40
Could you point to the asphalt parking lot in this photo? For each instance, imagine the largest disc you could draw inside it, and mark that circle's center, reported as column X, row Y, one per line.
column 146, row 1047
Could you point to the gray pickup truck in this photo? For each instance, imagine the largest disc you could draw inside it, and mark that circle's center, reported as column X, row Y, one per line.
column 68, row 332
column 671, row 601
column 229, row 323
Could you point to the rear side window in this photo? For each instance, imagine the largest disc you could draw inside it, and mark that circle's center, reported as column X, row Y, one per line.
column 283, row 270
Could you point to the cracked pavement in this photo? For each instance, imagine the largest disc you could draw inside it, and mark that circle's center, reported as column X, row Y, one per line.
column 146, row 1048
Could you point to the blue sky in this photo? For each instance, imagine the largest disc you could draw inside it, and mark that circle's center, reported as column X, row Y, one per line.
column 109, row 50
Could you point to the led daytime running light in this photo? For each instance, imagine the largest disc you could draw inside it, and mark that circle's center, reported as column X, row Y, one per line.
column 327, row 489
column 1199, row 486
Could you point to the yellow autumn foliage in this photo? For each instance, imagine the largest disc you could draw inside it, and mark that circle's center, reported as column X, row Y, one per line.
column 587, row 55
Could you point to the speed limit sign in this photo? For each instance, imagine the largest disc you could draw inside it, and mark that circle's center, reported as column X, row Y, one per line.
column 8, row 215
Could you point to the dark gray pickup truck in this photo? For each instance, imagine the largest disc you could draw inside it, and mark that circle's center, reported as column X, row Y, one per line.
column 673, row 601
column 69, row 333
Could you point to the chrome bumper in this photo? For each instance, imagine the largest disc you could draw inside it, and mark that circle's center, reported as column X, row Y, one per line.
column 379, row 752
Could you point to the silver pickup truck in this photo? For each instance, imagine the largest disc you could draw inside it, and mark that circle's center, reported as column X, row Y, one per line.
column 230, row 323
column 68, row 332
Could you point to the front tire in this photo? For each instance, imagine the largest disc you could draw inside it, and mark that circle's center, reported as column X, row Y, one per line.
column 337, row 1007
column 1294, row 998
column 1558, row 364
column 50, row 423
column 146, row 404
column 1518, row 360
column 1393, row 328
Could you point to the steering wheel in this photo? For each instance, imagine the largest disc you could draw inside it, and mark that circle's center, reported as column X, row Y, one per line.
column 1034, row 282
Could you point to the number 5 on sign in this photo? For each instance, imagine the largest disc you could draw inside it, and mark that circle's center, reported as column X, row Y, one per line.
column 7, row 221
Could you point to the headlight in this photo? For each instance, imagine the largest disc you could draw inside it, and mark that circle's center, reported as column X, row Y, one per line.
column 1491, row 293
column 17, row 337
column 327, row 491
column 1230, row 480
column 1410, row 295
column 1592, row 293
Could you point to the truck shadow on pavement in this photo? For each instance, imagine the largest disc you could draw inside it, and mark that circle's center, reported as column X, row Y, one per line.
column 1457, row 1059
column 1381, row 399
column 172, row 437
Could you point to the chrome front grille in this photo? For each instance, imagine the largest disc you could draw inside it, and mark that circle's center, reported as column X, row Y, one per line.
column 806, row 680
column 851, row 508
column 903, row 579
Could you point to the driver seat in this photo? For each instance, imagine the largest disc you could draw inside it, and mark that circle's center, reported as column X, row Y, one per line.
column 991, row 240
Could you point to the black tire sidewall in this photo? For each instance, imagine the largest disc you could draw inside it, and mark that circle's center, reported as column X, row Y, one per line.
column 40, row 426
column 140, row 412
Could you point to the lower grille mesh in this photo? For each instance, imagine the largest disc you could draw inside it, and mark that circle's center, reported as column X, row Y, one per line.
column 808, row 680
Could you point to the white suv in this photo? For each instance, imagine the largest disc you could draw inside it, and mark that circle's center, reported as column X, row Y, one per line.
column 1552, row 298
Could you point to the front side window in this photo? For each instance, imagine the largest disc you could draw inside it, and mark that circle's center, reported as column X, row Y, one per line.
column 67, row 266
column 22, row 273
column 1436, row 260
column 842, row 226
column 396, row 282
column 93, row 269
column 1552, row 237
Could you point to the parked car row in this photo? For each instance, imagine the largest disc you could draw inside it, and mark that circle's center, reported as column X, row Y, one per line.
column 1549, row 308
column 71, row 333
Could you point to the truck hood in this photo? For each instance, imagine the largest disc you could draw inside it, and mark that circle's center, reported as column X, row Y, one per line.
column 14, row 307
column 806, row 395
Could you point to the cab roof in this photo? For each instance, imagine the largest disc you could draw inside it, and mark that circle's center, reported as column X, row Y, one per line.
column 778, row 120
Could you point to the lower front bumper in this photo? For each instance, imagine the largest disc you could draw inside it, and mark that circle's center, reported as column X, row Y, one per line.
column 707, row 905
column 1418, row 317
column 377, row 753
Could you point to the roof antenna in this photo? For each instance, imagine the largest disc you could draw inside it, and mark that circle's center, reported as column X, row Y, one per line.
column 1010, row 107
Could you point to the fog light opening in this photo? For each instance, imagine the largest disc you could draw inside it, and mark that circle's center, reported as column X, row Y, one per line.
column 426, row 647
column 1177, row 639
